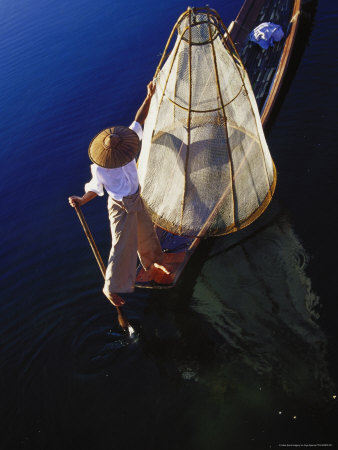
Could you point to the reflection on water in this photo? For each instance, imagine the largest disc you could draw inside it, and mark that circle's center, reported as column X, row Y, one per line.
column 257, row 296
column 232, row 357
column 245, row 344
column 226, row 360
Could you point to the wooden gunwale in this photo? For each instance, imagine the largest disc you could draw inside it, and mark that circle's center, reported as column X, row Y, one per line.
column 244, row 22
column 282, row 66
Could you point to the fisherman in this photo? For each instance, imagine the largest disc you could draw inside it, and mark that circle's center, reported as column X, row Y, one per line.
column 113, row 153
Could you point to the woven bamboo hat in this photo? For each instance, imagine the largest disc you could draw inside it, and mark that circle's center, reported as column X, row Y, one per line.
column 114, row 147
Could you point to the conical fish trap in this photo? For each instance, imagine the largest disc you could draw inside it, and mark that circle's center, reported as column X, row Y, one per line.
column 204, row 167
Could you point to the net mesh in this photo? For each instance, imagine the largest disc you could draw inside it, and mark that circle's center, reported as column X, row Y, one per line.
column 204, row 167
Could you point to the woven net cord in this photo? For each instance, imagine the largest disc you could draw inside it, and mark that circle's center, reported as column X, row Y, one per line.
column 204, row 167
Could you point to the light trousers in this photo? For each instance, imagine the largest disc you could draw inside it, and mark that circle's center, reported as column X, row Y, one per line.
column 132, row 233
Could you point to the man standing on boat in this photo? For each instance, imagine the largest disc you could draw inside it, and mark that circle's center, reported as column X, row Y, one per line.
column 113, row 153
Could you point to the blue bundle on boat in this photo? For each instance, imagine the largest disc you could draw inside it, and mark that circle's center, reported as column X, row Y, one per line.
column 266, row 34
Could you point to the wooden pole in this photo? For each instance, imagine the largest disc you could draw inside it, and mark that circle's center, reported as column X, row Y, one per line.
column 121, row 318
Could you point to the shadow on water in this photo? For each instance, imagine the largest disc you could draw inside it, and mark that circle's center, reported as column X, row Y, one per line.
column 231, row 358
column 247, row 341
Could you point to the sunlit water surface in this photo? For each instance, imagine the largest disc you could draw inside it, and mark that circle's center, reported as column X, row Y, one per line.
column 242, row 353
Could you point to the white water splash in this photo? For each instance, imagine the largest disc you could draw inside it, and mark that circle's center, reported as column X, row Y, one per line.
column 131, row 330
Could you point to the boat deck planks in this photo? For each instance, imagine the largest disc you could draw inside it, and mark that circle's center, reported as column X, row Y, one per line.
column 266, row 69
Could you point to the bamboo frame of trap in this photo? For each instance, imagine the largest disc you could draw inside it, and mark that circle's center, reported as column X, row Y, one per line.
column 213, row 20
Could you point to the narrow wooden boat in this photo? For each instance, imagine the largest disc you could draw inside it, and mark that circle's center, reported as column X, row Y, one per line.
column 266, row 69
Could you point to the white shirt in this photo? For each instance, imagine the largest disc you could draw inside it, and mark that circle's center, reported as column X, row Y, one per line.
column 118, row 182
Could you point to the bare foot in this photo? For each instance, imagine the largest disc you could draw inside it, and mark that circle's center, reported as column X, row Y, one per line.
column 117, row 300
column 160, row 267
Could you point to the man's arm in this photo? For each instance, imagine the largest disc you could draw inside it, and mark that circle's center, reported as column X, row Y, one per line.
column 92, row 189
column 73, row 200
column 142, row 112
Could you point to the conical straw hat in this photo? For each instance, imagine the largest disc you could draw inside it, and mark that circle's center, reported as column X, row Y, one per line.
column 114, row 147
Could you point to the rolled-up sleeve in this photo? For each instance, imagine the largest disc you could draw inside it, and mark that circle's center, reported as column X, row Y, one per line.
column 94, row 185
column 135, row 126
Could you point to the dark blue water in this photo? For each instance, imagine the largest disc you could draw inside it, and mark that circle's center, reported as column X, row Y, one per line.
column 242, row 354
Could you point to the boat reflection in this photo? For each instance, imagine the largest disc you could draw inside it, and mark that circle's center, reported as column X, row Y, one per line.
column 254, row 291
